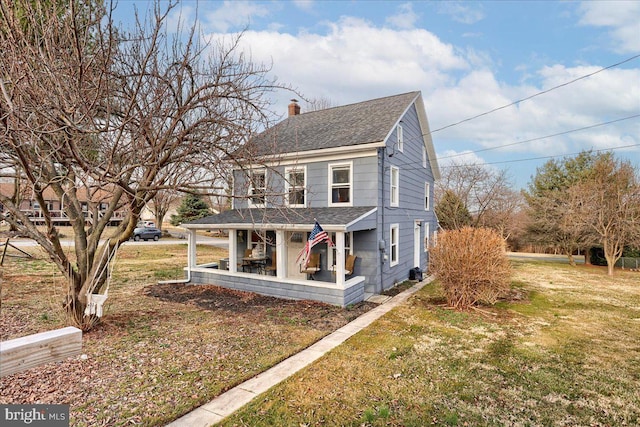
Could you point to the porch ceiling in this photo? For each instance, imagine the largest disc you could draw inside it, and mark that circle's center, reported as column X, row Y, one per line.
column 331, row 219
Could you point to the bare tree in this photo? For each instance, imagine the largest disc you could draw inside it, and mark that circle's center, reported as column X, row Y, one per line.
column 162, row 202
column 484, row 192
column 606, row 206
column 87, row 109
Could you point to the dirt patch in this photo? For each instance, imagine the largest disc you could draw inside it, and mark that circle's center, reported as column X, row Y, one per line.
column 255, row 307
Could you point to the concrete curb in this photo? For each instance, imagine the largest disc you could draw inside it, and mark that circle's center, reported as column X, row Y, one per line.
column 229, row 402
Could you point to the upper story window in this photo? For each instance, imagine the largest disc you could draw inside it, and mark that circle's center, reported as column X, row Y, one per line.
column 395, row 241
column 395, row 186
column 400, row 138
column 257, row 187
column 340, row 184
column 424, row 157
column 427, row 189
column 296, row 184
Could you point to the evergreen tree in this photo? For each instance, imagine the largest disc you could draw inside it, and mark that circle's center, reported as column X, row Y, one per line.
column 452, row 212
column 191, row 208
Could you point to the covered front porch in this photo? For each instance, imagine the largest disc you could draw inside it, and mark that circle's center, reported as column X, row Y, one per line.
column 264, row 245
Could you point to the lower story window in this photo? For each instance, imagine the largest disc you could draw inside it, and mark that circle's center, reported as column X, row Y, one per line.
column 395, row 240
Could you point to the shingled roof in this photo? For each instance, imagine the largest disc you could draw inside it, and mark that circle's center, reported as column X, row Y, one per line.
column 353, row 124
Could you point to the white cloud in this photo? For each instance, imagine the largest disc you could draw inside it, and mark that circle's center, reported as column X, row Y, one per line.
column 405, row 18
column 623, row 19
column 461, row 12
column 232, row 15
column 306, row 5
column 353, row 60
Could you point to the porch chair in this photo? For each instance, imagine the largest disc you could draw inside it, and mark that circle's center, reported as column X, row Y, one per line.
column 313, row 265
column 349, row 264
column 272, row 267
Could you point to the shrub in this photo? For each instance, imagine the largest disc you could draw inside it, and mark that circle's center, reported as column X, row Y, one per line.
column 471, row 265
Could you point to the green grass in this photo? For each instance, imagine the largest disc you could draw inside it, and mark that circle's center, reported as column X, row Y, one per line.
column 567, row 354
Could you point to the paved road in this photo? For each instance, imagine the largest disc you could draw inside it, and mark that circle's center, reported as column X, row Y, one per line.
column 201, row 240
column 545, row 257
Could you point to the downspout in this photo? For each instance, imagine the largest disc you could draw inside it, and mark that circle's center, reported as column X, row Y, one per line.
column 382, row 250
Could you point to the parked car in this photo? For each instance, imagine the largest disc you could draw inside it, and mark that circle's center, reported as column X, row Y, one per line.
column 146, row 233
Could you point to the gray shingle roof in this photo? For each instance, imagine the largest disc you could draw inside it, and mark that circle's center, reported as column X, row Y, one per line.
column 338, row 216
column 354, row 124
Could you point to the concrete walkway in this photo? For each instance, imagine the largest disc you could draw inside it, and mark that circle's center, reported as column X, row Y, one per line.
column 229, row 402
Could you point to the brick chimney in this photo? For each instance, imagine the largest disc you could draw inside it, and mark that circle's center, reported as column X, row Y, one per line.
column 294, row 108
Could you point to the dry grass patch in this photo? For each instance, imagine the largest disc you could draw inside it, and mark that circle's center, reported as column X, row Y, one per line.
column 161, row 350
column 567, row 354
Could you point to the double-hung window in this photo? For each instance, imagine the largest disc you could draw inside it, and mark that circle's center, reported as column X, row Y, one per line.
column 395, row 186
column 340, row 184
column 395, row 241
column 296, row 183
column 258, row 188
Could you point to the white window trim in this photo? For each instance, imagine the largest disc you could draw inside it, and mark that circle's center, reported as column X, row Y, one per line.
column 427, row 196
column 400, row 138
column 395, row 227
column 394, row 190
column 330, row 183
column 250, row 203
column 287, row 185
column 426, row 237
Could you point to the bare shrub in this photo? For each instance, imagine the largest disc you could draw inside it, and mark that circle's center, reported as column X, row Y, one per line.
column 471, row 265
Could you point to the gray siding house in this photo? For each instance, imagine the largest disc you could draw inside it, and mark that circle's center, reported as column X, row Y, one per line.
column 364, row 172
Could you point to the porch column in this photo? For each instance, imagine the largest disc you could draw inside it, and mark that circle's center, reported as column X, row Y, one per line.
column 191, row 249
column 281, row 254
column 233, row 254
column 340, row 259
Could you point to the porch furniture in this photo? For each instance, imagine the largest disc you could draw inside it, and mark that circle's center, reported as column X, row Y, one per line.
column 256, row 263
column 349, row 264
column 246, row 263
column 272, row 267
column 313, row 265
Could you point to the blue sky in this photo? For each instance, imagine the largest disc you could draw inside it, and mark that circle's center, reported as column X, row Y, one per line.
column 466, row 58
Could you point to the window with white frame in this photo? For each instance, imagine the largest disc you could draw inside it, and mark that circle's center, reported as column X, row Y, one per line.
column 348, row 238
column 394, row 199
column 400, row 138
column 426, row 237
column 435, row 238
column 258, row 187
column 424, row 157
column 395, row 241
column 427, row 189
column 340, row 186
column 296, row 184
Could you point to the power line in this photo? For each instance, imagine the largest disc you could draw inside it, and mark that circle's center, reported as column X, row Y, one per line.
column 544, row 157
column 536, row 94
column 541, row 137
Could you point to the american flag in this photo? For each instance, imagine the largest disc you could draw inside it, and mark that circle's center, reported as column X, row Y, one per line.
column 317, row 235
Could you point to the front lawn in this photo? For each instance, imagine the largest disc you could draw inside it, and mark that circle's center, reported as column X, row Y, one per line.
column 161, row 350
column 564, row 351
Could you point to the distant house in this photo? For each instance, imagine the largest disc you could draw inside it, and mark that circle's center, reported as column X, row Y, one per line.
column 364, row 171
column 30, row 206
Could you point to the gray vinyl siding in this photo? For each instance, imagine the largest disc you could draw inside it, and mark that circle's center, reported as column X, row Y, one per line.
column 411, row 203
column 364, row 187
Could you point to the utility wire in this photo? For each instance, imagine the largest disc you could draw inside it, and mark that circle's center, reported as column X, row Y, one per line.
column 536, row 94
column 541, row 137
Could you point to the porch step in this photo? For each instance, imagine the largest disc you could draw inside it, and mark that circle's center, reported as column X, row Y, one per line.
column 378, row 299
